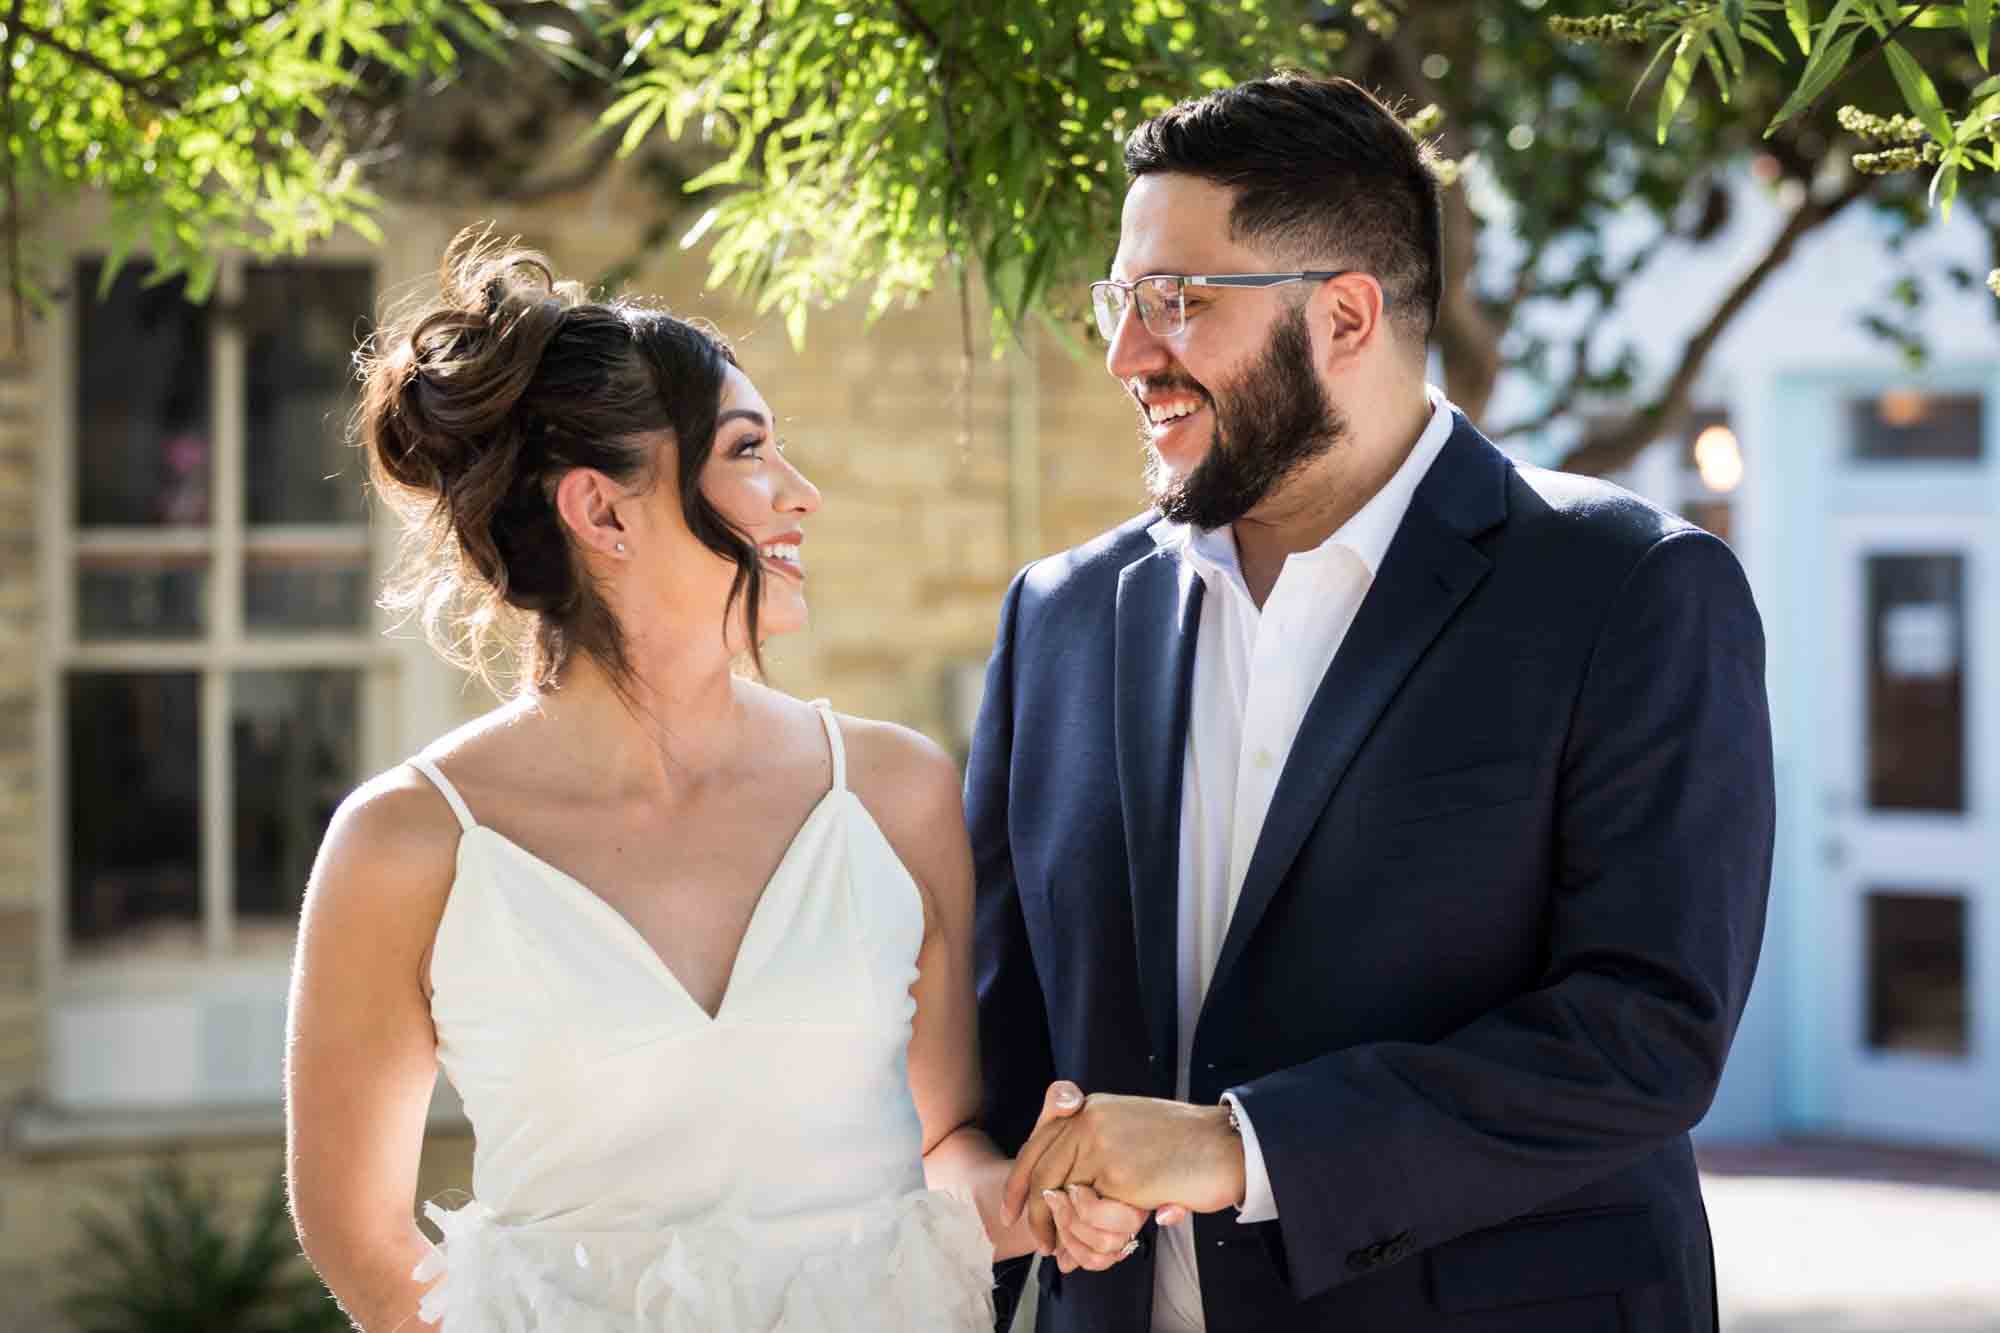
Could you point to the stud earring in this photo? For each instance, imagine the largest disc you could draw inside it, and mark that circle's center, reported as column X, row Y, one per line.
column 621, row 548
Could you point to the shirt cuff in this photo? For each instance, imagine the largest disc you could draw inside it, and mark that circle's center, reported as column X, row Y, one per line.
column 1259, row 1204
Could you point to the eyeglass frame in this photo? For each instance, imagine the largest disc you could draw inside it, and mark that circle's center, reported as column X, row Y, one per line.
column 1186, row 280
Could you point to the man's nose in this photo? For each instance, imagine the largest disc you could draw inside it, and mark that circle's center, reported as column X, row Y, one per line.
column 1134, row 350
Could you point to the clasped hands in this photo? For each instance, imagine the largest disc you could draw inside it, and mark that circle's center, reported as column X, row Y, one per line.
column 1097, row 1167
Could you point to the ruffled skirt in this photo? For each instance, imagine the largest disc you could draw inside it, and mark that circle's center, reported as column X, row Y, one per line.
column 920, row 1263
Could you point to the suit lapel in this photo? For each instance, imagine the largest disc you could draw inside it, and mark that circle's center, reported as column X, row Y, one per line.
column 1428, row 571
column 1158, row 622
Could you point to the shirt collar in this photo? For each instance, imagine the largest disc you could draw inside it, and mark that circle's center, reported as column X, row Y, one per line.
column 1367, row 534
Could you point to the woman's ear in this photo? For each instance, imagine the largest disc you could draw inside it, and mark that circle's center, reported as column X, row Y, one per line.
column 588, row 502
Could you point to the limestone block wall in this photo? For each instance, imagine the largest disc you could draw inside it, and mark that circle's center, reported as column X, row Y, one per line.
column 936, row 489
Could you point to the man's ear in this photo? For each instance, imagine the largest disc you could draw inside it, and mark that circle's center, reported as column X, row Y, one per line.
column 588, row 502
column 1347, row 313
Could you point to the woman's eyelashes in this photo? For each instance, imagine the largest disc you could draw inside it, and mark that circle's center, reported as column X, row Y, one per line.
column 753, row 446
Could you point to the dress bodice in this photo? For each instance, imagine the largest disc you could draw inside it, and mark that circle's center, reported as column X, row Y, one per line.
column 644, row 1157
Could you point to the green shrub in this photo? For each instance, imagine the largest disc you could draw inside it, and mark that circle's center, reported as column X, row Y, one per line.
column 170, row 1264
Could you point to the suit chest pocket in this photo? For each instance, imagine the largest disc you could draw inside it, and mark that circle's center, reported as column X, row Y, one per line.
column 1483, row 812
column 1437, row 795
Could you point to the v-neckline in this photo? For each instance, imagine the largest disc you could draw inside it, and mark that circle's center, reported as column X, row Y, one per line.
column 637, row 941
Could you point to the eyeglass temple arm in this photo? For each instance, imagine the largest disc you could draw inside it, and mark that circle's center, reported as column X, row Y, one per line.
column 1261, row 279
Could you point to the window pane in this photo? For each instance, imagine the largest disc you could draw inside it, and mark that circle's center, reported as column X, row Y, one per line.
column 142, row 408
column 1917, row 998
column 301, row 323
column 1908, row 425
column 1916, row 682
column 305, row 592
column 292, row 735
column 141, row 596
column 134, row 811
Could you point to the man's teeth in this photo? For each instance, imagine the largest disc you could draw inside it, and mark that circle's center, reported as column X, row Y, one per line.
column 780, row 551
column 1161, row 415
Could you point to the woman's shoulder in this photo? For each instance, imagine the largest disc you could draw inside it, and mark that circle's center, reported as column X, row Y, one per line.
column 897, row 764
column 394, row 833
column 911, row 788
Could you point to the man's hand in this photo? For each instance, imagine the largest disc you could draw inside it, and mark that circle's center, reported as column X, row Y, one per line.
column 1091, row 1231
column 1143, row 1151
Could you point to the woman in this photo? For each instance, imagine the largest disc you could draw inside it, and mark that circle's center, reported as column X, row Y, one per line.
column 696, row 955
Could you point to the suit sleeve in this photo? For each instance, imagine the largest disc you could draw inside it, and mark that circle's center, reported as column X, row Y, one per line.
column 1016, row 1065
column 1663, row 829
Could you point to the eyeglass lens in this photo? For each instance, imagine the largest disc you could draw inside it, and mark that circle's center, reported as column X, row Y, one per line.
column 1159, row 305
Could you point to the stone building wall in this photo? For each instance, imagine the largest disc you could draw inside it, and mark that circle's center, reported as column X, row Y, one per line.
column 923, row 523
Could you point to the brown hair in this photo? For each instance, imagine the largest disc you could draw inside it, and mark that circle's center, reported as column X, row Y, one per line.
column 474, row 406
column 1319, row 166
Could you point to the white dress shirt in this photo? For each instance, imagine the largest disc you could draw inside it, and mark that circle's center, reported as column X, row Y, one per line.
column 1254, row 674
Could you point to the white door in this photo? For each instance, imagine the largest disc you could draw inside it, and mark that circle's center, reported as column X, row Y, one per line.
column 1910, row 882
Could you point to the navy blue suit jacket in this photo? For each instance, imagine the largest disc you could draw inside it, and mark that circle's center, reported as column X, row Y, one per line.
column 1494, row 939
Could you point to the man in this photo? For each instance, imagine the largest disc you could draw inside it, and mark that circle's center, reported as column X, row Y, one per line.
column 1380, row 832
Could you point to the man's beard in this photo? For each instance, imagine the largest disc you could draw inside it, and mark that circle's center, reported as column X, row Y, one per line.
column 1268, row 425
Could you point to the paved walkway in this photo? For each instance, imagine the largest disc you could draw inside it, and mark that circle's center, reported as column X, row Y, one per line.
column 1843, row 1238
column 1830, row 1237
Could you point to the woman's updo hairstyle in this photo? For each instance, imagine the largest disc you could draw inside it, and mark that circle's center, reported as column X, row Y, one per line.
column 472, row 409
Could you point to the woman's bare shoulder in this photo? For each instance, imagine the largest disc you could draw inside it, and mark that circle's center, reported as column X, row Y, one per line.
column 911, row 787
column 898, row 768
column 391, row 850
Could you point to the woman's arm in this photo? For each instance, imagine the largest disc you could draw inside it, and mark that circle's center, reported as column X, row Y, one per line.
column 912, row 788
column 361, row 1052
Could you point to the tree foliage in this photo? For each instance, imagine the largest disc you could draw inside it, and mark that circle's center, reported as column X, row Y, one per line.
column 873, row 144
column 206, row 125
column 877, row 145
column 833, row 149
column 1722, row 36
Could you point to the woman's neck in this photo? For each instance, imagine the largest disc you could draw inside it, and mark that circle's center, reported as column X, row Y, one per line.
column 668, row 726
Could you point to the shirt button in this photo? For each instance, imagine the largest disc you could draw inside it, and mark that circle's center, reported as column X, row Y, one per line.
column 1262, row 758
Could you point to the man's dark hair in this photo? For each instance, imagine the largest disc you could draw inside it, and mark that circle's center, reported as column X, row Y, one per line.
column 1322, row 169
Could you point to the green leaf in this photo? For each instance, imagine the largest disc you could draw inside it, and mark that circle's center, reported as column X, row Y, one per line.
column 1732, row 14
column 1694, row 42
column 1919, row 92
column 1820, row 71
column 1719, row 71
column 1764, row 41
column 1725, row 36
column 1979, row 26
column 1651, row 65
column 1798, row 17
column 1944, row 189
column 635, row 131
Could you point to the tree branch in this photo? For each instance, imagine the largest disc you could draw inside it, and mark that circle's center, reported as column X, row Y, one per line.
column 1616, row 444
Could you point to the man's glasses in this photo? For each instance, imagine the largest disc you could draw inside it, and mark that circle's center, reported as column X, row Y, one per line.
column 1162, row 297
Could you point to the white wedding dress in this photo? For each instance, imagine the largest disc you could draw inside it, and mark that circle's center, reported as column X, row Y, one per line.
column 641, row 1167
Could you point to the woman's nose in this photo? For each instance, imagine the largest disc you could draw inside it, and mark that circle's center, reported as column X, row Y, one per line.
column 796, row 493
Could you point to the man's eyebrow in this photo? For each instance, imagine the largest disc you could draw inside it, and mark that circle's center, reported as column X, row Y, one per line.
column 742, row 413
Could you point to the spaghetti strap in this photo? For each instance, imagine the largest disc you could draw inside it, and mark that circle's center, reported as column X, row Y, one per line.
column 450, row 793
column 825, row 710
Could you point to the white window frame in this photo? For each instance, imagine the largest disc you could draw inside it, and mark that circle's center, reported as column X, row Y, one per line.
column 85, row 998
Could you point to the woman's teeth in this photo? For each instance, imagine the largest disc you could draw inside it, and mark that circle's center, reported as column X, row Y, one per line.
column 788, row 554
